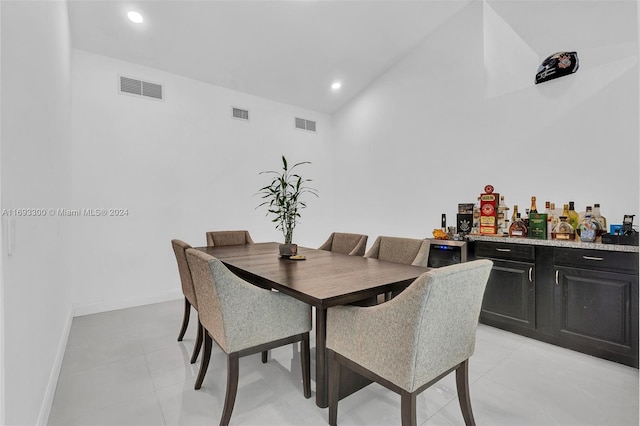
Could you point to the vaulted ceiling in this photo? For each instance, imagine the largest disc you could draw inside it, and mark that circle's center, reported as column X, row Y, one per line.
column 292, row 51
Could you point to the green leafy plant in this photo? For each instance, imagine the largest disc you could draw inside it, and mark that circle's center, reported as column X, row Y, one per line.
column 283, row 197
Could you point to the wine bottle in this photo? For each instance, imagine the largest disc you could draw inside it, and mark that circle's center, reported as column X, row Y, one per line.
column 533, row 208
column 550, row 216
column 573, row 215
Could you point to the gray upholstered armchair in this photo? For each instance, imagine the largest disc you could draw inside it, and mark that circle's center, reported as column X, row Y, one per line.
column 179, row 248
column 228, row 238
column 351, row 244
column 414, row 340
column 410, row 251
column 244, row 319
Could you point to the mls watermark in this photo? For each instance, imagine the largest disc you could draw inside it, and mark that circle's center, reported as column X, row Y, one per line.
column 61, row 212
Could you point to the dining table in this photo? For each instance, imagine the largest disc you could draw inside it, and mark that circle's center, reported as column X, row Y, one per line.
column 322, row 279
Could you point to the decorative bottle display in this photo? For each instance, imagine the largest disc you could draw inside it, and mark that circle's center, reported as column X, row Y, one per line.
column 518, row 228
column 550, row 216
column 489, row 211
column 573, row 216
column 601, row 219
column 563, row 230
column 588, row 228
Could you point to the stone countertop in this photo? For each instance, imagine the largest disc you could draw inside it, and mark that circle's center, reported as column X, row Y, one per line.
column 555, row 243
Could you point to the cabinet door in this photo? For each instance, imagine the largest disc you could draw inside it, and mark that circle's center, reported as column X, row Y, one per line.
column 598, row 310
column 509, row 299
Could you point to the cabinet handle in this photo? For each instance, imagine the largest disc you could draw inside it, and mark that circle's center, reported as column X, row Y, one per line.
column 592, row 258
column 501, row 249
column 530, row 270
column 557, row 283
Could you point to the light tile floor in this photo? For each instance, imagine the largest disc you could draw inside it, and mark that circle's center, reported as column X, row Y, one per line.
column 126, row 368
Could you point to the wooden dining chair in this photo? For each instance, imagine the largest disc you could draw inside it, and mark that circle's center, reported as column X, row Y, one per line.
column 413, row 340
column 244, row 319
column 179, row 248
column 345, row 243
column 228, row 238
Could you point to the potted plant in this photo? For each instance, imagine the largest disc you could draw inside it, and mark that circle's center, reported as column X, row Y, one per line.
column 283, row 200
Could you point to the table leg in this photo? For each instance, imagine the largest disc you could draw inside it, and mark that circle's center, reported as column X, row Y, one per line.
column 321, row 358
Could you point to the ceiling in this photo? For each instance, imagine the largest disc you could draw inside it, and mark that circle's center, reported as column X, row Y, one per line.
column 287, row 51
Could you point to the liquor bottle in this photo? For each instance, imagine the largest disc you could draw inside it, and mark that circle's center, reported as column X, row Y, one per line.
column 565, row 210
column 556, row 216
column 588, row 228
column 533, row 208
column 549, row 212
column 503, row 210
column 518, row 228
column 601, row 219
column 525, row 218
column 514, row 216
column 475, row 226
column 563, row 230
column 573, row 215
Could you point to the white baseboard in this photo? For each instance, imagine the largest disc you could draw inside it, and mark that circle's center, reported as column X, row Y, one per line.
column 50, row 391
column 95, row 308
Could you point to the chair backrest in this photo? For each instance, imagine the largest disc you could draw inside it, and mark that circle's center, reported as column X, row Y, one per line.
column 179, row 248
column 209, row 312
column 409, row 251
column 346, row 243
column 228, row 238
column 444, row 306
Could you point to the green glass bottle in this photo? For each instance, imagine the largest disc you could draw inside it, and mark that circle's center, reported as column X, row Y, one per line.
column 574, row 217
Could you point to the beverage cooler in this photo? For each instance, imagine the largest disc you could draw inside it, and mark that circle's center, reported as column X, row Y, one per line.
column 447, row 252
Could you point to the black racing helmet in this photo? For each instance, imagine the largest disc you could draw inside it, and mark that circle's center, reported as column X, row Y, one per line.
column 557, row 65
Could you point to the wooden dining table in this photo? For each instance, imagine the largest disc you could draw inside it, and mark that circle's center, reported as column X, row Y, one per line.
column 323, row 279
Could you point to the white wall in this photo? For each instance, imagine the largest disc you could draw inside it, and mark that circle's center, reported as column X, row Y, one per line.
column 35, row 159
column 461, row 111
column 181, row 167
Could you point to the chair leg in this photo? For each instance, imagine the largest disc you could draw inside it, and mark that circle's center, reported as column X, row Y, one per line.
column 408, row 408
column 333, row 387
column 265, row 356
column 198, row 344
column 233, row 366
column 185, row 319
column 206, row 356
column 462, row 383
column 305, row 354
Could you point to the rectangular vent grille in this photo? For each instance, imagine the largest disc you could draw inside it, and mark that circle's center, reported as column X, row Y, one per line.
column 241, row 114
column 303, row 124
column 141, row 88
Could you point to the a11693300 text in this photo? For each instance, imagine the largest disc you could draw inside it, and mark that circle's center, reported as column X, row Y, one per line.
column 63, row 212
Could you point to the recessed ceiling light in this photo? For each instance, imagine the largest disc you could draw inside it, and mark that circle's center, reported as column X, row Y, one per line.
column 135, row 17
column 336, row 85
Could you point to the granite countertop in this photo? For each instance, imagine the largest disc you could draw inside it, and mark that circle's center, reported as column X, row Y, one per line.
column 555, row 243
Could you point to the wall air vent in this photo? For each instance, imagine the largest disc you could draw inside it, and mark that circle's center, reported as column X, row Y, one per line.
column 240, row 114
column 303, row 124
column 133, row 86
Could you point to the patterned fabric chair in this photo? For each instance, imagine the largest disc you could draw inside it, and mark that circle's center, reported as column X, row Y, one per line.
column 244, row 319
column 414, row 340
column 228, row 238
column 179, row 248
column 351, row 244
